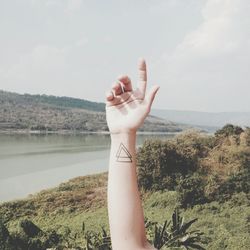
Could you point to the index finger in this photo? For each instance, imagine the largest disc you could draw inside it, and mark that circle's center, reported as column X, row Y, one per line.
column 142, row 71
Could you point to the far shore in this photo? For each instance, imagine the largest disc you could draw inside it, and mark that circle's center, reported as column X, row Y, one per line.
column 75, row 132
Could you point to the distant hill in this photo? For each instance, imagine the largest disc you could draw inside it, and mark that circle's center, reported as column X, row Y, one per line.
column 67, row 102
column 51, row 113
column 206, row 120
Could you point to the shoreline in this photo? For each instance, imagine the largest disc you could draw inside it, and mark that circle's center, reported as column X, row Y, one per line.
column 27, row 184
column 72, row 132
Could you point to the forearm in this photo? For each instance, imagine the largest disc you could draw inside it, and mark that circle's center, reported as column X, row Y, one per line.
column 124, row 205
column 126, row 110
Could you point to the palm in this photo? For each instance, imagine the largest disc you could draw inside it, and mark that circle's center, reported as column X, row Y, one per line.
column 126, row 108
column 129, row 114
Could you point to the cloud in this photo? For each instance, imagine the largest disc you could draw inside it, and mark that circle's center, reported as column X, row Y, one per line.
column 52, row 3
column 222, row 31
column 73, row 5
column 211, row 62
column 107, row 39
column 69, row 6
column 42, row 59
column 82, row 42
column 46, row 69
column 48, row 3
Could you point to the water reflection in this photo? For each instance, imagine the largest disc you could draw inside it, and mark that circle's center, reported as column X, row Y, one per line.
column 29, row 163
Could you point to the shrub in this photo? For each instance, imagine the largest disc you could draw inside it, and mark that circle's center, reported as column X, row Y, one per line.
column 5, row 238
column 96, row 240
column 229, row 129
column 247, row 132
column 29, row 228
column 191, row 190
column 239, row 182
column 161, row 163
column 175, row 233
column 213, row 182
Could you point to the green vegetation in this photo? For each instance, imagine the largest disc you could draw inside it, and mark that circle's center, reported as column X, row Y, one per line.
column 229, row 129
column 68, row 102
column 173, row 233
column 203, row 178
column 52, row 114
column 200, row 168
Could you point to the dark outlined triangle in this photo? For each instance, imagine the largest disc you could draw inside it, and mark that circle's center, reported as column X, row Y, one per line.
column 123, row 155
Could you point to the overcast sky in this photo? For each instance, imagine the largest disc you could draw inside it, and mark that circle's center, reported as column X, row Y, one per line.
column 198, row 51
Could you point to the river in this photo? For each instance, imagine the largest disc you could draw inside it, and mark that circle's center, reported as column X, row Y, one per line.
column 30, row 163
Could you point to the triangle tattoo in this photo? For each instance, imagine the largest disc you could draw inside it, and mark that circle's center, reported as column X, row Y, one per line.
column 123, row 155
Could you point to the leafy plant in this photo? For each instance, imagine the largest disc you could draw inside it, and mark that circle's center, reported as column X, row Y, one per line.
column 98, row 241
column 174, row 233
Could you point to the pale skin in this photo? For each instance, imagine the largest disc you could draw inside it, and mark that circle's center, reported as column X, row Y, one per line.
column 126, row 110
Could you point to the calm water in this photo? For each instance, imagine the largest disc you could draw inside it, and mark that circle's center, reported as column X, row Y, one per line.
column 29, row 163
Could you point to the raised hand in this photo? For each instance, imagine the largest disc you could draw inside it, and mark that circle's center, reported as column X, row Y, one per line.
column 126, row 109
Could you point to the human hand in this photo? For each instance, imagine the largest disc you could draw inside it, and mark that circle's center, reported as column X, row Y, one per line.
column 126, row 109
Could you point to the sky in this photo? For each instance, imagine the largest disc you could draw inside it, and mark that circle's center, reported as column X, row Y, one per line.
column 197, row 51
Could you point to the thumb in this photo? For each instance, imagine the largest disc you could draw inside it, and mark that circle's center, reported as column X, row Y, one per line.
column 151, row 95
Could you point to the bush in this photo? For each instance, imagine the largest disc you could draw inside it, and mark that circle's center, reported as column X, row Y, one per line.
column 98, row 241
column 229, row 129
column 191, row 190
column 5, row 239
column 247, row 131
column 29, row 228
column 175, row 233
column 160, row 164
column 213, row 182
column 237, row 183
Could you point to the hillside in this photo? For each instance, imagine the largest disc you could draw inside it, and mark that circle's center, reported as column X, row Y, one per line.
column 215, row 191
column 210, row 120
column 51, row 113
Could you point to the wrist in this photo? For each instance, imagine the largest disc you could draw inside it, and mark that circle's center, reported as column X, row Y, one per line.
column 123, row 136
column 123, row 132
column 123, row 147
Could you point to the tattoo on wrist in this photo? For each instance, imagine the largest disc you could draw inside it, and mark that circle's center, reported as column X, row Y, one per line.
column 123, row 154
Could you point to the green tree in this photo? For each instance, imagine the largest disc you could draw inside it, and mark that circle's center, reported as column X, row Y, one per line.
column 229, row 129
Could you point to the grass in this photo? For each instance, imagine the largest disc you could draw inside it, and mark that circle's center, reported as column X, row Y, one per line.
column 77, row 195
column 226, row 224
